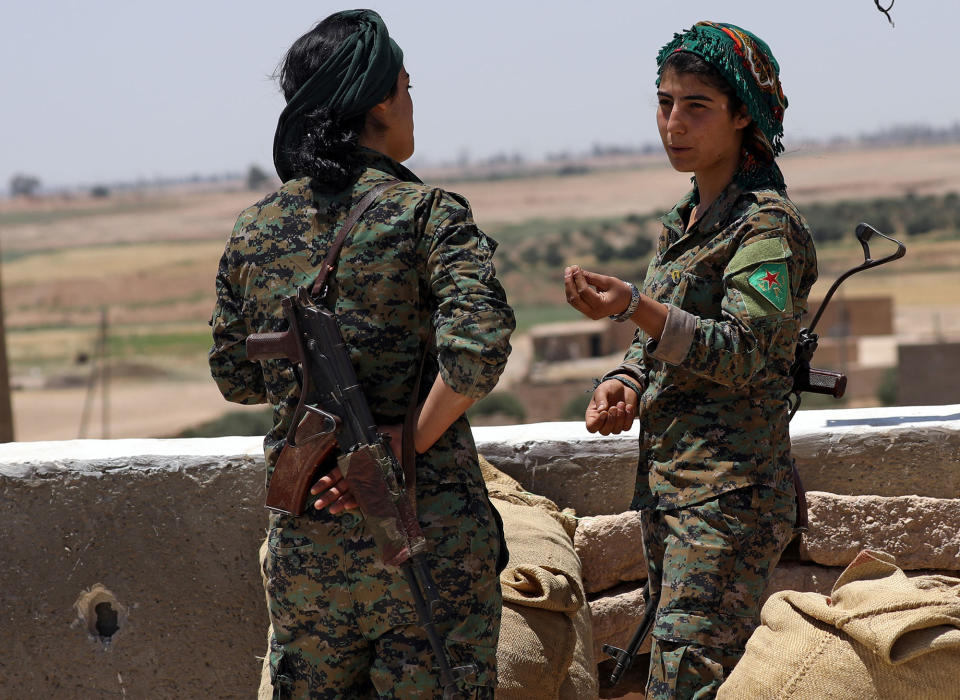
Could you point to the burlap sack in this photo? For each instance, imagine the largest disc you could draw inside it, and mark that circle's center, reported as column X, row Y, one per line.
column 879, row 635
column 546, row 647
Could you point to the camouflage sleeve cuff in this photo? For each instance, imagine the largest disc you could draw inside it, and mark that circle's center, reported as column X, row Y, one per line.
column 676, row 338
column 474, row 377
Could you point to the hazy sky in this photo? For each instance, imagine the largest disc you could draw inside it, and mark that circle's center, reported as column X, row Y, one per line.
column 110, row 90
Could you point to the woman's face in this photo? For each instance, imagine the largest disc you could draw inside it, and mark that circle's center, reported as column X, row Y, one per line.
column 398, row 118
column 699, row 133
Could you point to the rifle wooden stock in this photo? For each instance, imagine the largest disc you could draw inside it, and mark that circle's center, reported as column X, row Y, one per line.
column 300, row 465
column 270, row 346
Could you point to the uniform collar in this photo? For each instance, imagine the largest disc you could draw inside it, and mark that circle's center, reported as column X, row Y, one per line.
column 717, row 216
column 375, row 160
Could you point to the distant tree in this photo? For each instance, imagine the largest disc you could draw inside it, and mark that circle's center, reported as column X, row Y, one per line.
column 256, row 177
column 530, row 255
column 24, row 185
column 603, row 250
column 99, row 191
column 638, row 247
column 553, row 256
column 921, row 221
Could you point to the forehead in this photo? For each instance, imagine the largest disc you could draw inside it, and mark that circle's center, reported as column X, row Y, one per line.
column 679, row 84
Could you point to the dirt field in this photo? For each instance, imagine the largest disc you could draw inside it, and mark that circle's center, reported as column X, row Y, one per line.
column 151, row 259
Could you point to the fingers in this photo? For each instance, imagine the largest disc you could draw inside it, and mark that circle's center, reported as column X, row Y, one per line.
column 601, row 282
column 594, row 295
column 334, row 492
column 580, row 295
column 328, row 481
column 347, row 502
column 612, row 421
column 608, row 412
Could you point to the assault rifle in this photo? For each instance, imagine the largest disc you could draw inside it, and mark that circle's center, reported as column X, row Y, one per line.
column 823, row 381
column 332, row 405
column 805, row 379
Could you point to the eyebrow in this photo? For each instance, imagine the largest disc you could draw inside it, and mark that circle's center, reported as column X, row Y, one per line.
column 698, row 98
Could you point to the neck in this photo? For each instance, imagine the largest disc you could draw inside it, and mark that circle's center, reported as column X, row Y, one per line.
column 711, row 183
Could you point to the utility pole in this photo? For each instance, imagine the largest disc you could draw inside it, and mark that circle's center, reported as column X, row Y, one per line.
column 6, row 406
column 99, row 374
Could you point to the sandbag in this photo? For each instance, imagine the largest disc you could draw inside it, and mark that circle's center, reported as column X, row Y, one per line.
column 546, row 647
column 879, row 635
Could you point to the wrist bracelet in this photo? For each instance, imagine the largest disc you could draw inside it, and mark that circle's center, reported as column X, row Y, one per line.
column 631, row 307
column 629, row 383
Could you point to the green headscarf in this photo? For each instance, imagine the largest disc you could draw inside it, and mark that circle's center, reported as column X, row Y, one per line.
column 358, row 75
column 747, row 64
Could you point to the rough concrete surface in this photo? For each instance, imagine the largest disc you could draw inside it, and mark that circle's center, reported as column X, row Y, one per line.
column 890, row 461
column 920, row 532
column 610, row 548
column 876, row 451
column 592, row 474
column 174, row 539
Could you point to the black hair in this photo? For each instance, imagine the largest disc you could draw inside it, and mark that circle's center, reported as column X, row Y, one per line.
column 328, row 150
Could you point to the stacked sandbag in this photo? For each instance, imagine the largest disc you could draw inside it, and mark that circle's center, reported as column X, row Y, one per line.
column 880, row 634
column 546, row 647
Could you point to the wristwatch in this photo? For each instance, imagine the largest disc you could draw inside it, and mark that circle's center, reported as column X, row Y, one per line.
column 631, row 307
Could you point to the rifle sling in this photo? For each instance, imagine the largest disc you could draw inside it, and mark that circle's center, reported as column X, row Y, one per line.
column 408, row 456
column 352, row 218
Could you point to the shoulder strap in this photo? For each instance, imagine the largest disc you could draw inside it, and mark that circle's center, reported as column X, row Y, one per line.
column 352, row 218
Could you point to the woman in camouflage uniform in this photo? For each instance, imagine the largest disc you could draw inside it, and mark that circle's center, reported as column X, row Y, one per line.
column 416, row 271
column 708, row 372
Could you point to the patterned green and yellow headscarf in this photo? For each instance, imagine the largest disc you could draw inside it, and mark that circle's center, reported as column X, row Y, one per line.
column 358, row 75
column 746, row 62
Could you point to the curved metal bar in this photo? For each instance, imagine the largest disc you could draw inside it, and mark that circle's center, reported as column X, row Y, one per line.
column 864, row 233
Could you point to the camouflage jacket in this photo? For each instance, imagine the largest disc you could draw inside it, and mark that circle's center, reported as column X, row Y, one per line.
column 415, row 264
column 713, row 413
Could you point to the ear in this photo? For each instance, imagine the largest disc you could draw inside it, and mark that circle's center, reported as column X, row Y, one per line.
column 377, row 115
column 741, row 120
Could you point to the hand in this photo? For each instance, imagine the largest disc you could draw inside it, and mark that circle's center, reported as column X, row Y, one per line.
column 612, row 408
column 593, row 295
column 334, row 492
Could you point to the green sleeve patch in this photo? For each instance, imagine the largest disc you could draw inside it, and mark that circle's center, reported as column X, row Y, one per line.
column 770, row 279
column 759, row 271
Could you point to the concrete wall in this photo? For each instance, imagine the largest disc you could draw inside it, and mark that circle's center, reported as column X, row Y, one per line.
column 129, row 566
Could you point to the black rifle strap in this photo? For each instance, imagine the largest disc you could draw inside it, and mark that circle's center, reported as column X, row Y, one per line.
column 352, row 218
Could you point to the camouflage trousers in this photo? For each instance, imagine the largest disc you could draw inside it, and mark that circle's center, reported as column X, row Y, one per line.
column 344, row 624
column 711, row 562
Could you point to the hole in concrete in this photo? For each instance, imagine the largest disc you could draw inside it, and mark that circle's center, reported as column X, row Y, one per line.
column 99, row 611
column 106, row 620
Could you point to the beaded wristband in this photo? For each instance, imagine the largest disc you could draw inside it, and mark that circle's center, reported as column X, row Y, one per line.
column 629, row 383
column 631, row 307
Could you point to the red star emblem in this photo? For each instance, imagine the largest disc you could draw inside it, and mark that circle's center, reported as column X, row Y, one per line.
column 772, row 279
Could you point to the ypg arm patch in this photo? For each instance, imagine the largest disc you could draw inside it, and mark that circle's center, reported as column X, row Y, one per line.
column 769, row 280
column 759, row 271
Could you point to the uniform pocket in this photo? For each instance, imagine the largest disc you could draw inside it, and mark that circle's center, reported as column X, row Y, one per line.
column 284, row 542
